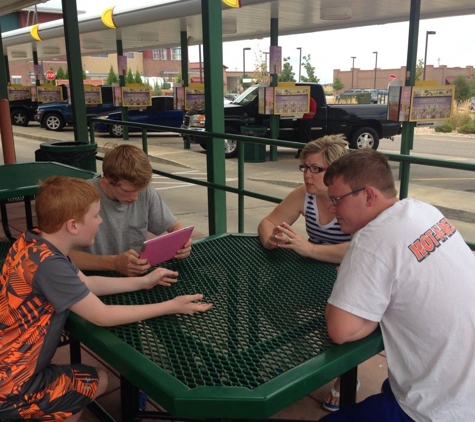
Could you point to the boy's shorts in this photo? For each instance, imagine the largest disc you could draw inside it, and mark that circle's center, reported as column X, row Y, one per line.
column 381, row 407
column 54, row 394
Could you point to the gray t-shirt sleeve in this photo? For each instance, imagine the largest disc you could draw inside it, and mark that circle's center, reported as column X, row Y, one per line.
column 160, row 218
column 57, row 280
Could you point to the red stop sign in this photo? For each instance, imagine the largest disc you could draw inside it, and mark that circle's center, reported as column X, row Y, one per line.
column 392, row 77
column 50, row 75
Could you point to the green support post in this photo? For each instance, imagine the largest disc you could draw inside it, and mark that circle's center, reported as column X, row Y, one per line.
column 124, row 110
column 274, row 120
column 407, row 139
column 76, row 82
column 184, row 69
column 213, row 73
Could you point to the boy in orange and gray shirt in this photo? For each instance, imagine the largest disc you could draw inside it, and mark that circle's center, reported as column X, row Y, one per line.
column 40, row 284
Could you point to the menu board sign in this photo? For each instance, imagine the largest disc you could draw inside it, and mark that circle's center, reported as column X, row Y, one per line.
column 18, row 92
column 139, row 96
column 92, row 94
column 266, row 100
column 49, row 93
column 292, row 100
column 405, row 103
column 431, row 103
column 195, row 97
column 394, row 97
column 117, row 95
column 179, row 98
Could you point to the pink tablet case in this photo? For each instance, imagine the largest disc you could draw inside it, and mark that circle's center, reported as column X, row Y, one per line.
column 163, row 248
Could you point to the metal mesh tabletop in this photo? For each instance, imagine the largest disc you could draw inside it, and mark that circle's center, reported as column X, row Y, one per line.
column 266, row 327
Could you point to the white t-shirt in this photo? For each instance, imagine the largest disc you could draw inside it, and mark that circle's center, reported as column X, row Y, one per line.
column 411, row 270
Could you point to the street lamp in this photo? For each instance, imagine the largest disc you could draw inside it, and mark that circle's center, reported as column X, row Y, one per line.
column 352, row 71
column 425, row 54
column 375, row 66
column 244, row 62
column 300, row 61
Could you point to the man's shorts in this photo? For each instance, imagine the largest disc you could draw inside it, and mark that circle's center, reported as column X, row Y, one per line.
column 381, row 407
column 54, row 394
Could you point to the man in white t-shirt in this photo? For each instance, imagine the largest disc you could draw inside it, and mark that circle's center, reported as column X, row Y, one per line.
column 408, row 269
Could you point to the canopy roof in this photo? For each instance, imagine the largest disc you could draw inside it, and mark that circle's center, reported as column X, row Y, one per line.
column 159, row 25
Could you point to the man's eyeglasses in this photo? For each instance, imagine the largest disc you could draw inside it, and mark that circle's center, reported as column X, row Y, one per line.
column 313, row 169
column 334, row 200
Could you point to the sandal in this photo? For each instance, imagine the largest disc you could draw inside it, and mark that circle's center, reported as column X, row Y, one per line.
column 336, row 395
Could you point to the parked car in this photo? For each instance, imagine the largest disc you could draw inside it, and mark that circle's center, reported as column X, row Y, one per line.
column 22, row 111
column 161, row 113
column 472, row 104
column 56, row 115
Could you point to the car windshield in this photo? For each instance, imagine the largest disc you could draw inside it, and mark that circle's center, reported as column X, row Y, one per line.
column 247, row 96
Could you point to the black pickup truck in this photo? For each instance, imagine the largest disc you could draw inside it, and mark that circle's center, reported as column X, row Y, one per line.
column 362, row 124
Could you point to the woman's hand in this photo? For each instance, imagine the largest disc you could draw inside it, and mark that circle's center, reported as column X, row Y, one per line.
column 286, row 237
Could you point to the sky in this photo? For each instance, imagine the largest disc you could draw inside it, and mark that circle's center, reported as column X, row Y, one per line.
column 452, row 45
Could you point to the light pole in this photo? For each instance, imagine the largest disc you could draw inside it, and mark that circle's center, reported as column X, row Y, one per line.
column 425, row 54
column 353, row 71
column 244, row 62
column 300, row 61
column 375, row 66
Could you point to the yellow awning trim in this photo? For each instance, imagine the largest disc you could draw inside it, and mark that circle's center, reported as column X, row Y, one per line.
column 232, row 3
column 108, row 18
column 34, row 32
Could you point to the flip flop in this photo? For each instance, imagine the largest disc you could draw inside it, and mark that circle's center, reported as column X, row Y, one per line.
column 336, row 394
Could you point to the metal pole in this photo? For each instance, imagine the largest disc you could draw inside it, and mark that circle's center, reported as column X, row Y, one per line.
column 244, row 62
column 353, row 71
column 375, row 66
column 300, row 61
column 425, row 54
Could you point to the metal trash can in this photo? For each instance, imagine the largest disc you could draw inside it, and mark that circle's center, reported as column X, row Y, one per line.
column 254, row 153
column 73, row 153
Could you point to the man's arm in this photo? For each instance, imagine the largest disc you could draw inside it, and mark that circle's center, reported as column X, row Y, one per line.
column 343, row 326
column 186, row 250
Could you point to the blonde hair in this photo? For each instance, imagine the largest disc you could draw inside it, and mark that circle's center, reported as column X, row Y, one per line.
column 61, row 198
column 127, row 163
column 330, row 146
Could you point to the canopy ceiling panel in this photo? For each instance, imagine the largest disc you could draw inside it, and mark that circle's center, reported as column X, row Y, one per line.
column 159, row 25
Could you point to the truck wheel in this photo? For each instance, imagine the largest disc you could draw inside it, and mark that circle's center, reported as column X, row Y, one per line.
column 365, row 137
column 53, row 121
column 230, row 145
column 20, row 118
column 117, row 131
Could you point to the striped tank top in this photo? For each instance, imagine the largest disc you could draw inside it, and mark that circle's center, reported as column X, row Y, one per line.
column 324, row 234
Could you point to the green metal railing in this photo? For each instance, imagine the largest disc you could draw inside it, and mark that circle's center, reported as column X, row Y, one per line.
column 240, row 191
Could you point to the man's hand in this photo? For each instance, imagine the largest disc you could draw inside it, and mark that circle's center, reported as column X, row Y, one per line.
column 185, row 251
column 190, row 304
column 129, row 264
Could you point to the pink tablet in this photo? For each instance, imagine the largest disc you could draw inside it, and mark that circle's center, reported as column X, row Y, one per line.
column 163, row 248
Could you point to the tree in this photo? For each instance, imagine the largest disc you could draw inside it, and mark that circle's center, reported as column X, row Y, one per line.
column 338, row 85
column 462, row 88
column 129, row 78
column 112, row 77
column 419, row 69
column 138, row 78
column 60, row 74
column 287, row 74
column 309, row 70
column 157, row 89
